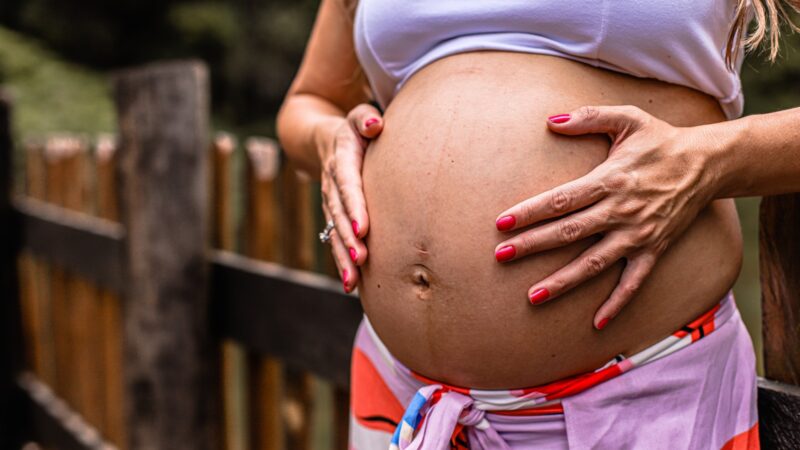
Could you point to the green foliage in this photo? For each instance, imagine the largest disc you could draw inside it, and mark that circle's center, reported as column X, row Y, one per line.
column 205, row 23
column 49, row 93
column 773, row 86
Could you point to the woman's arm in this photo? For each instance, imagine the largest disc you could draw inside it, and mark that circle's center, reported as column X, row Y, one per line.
column 324, row 125
column 655, row 181
column 757, row 155
column 328, row 84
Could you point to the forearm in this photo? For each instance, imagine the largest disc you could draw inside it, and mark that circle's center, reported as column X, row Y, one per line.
column 756, row 155
column 303, row 122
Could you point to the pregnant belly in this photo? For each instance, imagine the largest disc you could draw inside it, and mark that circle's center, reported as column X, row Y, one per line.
column 464, row 140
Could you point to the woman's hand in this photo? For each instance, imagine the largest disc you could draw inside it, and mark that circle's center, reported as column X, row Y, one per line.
column 341, row 145
column 653, row 184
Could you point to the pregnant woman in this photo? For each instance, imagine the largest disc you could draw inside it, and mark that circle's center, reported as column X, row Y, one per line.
column 446, row 213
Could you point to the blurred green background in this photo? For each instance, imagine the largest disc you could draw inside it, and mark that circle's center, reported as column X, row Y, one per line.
column 55, row 57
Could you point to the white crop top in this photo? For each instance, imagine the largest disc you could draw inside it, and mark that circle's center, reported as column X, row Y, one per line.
column 677, row 41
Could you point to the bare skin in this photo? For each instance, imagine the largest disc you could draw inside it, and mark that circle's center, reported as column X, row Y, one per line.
column 443, row 168
column 656, row 179
column 430, row 283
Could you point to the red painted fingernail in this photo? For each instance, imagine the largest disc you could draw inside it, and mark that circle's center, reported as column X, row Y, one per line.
column 370, row 121
column 506, row 223
column 505, row 253
column 356, row 228
column 539, row 296
column 345, row 276
column 353, row 254
column 602, row 324
column 560, row 118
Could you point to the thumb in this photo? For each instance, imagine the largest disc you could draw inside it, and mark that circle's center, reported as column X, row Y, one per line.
column 611, row 120
column 366, row 120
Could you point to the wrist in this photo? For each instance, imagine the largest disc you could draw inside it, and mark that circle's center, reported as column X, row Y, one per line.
column 323, row 132
column 720, row 143
column 738, row 178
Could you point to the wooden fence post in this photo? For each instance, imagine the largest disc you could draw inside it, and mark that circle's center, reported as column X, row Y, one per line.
column 11, row 413
column 779, row 260
column 171, row 364
column 779, row 236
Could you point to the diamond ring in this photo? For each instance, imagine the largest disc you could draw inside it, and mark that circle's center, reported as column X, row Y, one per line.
column 325, row 235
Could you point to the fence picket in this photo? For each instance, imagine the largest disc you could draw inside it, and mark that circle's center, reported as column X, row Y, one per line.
column 266, row 373
column 110, row 311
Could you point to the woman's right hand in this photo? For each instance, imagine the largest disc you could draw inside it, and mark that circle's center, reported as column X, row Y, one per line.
column 341, row 148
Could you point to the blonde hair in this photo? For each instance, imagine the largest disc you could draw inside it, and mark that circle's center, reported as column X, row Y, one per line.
column 768, row 14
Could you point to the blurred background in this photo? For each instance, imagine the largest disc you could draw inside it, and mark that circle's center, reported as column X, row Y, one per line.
column 56, row 55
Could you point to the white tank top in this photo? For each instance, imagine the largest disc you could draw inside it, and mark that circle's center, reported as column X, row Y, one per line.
column 677, row 41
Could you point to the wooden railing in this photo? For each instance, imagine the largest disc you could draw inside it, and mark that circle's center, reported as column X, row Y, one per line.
column 195, row 325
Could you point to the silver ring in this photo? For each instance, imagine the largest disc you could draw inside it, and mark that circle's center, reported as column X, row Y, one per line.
column 325, row 235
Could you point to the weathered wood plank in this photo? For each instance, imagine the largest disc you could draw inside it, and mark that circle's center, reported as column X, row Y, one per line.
column 779, row 258
column 55, row 152
column 110, row 323
column 54, row 423
column 267, row 381
column 82, row 298
column 271, row 309
column 234, row 385
column 301, row 317
column 296, row 231
column 87, row 245
column 35, row 276
column 778, row 415
column 11, row 346
column 171, row 365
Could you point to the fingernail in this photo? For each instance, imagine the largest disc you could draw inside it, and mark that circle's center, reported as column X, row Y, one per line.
column 356, row 228
column 345, row 276
column 560, row 118
column 505, row 253
column 539, row 296
column 370, row 121
column 353, row 254
column 506, row 223
column 602, row 324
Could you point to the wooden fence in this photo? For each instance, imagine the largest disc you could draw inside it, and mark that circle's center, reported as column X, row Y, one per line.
column 139, row 314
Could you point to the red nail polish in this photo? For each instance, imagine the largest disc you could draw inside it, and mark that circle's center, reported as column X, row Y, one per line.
column 506, row 223
column 602, row 324
column 356, row 228
column 560, row 118
column 539, row 296
column 353, row 254
column 370, row 121
column 345, row 276
column 505, row 253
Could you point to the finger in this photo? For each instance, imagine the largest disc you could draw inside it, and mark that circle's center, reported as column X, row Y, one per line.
column 611, row 120
column 347, row 175
column 356, row 250
column 366, row 120
column 592, row 262
column 558, row 201
column 348, row 272
column 555, row 234
column 636, row 271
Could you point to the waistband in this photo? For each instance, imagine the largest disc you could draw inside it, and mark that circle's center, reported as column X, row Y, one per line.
column 462, row 407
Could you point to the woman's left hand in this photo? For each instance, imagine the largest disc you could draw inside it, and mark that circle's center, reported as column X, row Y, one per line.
column 654, row 183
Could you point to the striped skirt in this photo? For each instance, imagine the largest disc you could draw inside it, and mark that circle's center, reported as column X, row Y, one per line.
column 696, row 389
